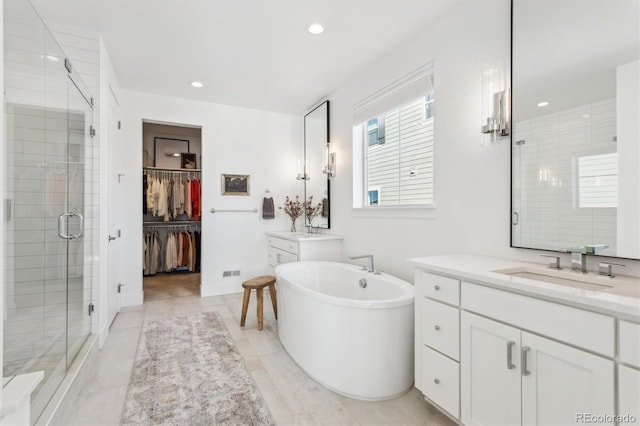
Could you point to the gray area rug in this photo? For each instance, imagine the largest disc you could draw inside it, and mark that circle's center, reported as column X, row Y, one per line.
column 187, row 371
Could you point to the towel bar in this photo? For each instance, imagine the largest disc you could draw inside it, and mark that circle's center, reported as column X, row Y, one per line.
column 234, row 211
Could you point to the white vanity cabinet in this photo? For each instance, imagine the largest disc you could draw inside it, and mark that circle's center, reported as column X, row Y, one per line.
column 508, row 374
column 629, row 375
column 285, row 247
column 487, row 355
column 437, row 336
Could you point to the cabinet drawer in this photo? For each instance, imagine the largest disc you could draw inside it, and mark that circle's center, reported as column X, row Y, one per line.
column 441, row 381
column 276, row 257
column 438, row 287
column 441, row 327
column 629, row 341
column 574, row 326
column 282, row 244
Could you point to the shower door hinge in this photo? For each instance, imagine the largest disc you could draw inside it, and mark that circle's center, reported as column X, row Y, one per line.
column 92, row 131
column 7, row 209
column 120, row 285
column 92, row 308
column 119, row 125
column 67, row 65
column 91, row 101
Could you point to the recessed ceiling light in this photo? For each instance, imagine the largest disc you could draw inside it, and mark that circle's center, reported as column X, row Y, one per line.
column 315, row 29
column 543, row 104
column 197, row 84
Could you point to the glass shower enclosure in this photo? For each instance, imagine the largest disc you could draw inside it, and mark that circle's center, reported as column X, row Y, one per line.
column 48, row 194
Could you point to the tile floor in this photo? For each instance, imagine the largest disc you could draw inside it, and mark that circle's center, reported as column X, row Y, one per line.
column 292, row 396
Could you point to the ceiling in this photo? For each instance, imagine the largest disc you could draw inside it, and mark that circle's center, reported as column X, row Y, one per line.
column 249, row 53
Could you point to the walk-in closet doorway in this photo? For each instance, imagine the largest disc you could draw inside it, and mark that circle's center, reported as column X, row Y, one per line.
column 171, row 207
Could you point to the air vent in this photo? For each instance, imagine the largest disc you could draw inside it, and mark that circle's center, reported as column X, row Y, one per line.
column 226, row 274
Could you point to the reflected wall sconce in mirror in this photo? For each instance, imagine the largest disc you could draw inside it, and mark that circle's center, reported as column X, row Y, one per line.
column 496, row 121
column 329, row 162
column 302, row 173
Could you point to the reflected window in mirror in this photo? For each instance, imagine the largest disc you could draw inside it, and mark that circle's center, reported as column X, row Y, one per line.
column 395, row 128
column 575, row 148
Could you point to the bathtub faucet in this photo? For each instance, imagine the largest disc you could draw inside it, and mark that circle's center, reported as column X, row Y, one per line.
column 369, row 257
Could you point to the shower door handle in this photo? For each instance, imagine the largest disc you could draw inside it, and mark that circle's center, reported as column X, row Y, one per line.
column 61, row 232
column 81, row 217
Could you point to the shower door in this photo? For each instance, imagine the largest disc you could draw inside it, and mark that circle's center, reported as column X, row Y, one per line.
column 49, row 194
column 82, row 184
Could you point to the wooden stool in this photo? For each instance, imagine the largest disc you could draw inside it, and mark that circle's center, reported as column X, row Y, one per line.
column 258, row 283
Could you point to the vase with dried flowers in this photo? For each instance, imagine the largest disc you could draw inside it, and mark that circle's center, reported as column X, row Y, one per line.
column 311, row 210
column 294, row 209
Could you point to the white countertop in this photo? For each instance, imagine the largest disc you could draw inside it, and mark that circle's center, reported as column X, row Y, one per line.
column 622, row 299
column 303, row 236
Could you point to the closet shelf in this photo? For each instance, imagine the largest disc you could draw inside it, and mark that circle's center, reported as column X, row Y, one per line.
column 167, row 169
column 171, row 223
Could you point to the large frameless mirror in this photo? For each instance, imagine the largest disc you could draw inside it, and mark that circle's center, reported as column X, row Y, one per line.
column 576, row 134
column 316, row 184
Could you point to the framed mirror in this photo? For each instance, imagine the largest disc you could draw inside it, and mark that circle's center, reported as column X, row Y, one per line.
column 316, row 184
column 575, row 149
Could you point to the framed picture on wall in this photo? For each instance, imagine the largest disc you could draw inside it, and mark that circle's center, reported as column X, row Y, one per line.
column 167, row 152
column 235, row 184
column 187, row 161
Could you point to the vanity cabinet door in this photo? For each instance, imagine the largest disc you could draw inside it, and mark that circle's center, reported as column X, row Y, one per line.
column 489, row 377
column 629, row 394
column 559, row 383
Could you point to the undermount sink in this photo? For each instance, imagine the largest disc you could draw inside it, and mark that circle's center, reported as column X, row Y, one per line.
column 565, row 278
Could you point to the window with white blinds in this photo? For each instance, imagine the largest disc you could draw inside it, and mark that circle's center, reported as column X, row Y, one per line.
column 396, row 125
column 598, row 180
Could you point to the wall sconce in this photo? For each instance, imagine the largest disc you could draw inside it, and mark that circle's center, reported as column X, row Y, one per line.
column 302, row 174
column 329, row 162
column 496, row 121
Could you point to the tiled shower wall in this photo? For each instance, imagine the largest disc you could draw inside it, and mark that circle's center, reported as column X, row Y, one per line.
column 545, row 184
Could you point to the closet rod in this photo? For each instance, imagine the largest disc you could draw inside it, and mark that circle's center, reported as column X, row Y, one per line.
column 168, row 169
column 173, row 223
column 234, row 211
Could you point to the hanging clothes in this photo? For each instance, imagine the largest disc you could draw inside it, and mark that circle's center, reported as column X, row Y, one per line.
column 144, row 193
column 195, row 199
column 151, row 253
column 169, row 194
column 188, row 207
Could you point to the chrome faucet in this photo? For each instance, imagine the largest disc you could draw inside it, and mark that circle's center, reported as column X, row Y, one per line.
column 369, row 257
column 578, row 258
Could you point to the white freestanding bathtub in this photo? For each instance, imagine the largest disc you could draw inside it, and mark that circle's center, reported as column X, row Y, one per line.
column 355, row 341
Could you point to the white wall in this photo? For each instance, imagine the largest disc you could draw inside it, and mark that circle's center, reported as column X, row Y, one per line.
column 472, row 191
column 235, row 140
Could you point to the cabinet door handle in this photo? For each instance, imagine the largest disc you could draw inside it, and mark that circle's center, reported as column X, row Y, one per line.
column 510, row 364
column 437, row 327
column 436, row 287
column 436, row 381
column 523, row 361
